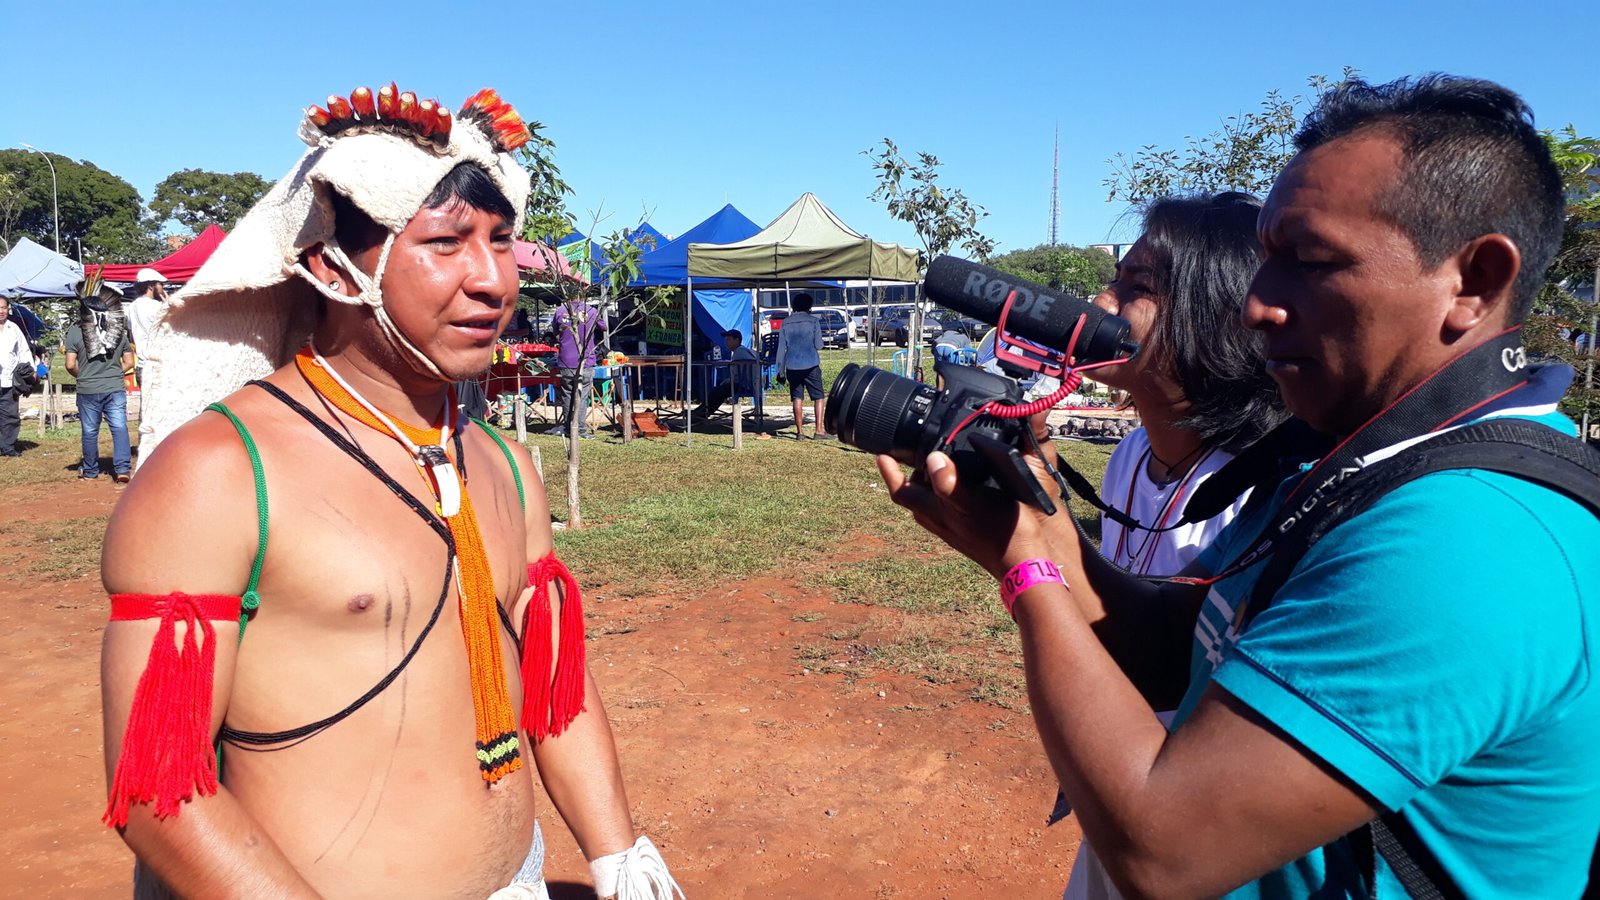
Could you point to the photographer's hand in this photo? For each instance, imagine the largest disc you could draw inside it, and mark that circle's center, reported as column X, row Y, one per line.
column 989, row 528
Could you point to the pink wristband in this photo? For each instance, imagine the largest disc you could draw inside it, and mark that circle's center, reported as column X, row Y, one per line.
column 1025, row 575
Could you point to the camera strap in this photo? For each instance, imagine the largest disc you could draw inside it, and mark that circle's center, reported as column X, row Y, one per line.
column 1418, row 435
column 1474, row 383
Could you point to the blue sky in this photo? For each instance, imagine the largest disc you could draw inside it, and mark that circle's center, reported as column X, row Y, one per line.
column 673, row 108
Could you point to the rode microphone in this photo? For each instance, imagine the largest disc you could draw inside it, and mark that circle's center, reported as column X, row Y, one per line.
column 1036, row 312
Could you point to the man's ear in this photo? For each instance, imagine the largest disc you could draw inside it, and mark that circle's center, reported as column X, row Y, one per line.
column 325, row 270
column 1488, row 267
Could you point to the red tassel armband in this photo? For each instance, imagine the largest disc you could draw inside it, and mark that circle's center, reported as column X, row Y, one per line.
column 551, row 702
column 166, row 751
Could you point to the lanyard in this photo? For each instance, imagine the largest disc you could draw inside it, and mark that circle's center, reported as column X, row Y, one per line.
column 1462, row 386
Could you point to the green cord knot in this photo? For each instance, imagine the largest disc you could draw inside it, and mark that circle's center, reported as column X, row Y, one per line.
column 249, row 601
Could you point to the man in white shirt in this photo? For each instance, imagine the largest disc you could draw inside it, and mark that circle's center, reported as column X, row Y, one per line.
column 149, row 296
column 800, row 360
column 13, row 350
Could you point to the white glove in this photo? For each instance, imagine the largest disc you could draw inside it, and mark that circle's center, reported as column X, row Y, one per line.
column 637, row 873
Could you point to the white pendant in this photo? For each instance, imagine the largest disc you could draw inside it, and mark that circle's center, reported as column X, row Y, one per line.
column 445, row 483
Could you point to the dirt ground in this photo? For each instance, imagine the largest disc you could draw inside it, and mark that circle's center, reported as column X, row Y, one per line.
column 755, row 776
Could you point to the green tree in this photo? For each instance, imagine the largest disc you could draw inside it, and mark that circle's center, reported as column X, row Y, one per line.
column 122, row 238
column 622, row 255
column 11, row 200
column 1078, row 270
column 943, row 218
column 1245, row 154
column 548, row 218
column 86, row 194
column 1559, row 315
column 197, row 198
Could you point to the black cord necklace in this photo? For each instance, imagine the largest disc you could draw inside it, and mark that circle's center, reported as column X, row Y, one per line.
column 1172, row 473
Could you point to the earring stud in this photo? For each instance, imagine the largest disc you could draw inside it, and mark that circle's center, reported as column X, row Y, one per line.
column 334, row 284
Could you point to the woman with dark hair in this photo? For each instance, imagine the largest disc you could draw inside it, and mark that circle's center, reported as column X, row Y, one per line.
column 1199, row 385
column 1200, row 388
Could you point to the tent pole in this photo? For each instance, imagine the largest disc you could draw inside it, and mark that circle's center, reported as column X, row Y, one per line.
column 872, row 317
column 914, row 337
column 688, row 363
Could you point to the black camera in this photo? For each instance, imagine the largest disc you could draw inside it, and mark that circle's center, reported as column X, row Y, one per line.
column 879, row 412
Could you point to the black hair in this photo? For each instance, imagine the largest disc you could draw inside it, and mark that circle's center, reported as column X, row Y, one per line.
column 1472, row 164
column 1205, row 252
column 801, row 302
column 467, row 184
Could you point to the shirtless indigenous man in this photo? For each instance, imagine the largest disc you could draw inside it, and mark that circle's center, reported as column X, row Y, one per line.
column 361, row 579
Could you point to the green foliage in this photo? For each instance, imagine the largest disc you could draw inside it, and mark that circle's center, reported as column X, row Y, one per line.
column 86, row 194
column 1558, row 313
column 197, row 198
column 1245, row 154
column 547, row 215
column 11, row 201
column 943, row 218
column 1080, row 270
column 122, row 238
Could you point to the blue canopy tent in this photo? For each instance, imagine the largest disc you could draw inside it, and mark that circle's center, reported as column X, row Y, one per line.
column 572, row 246
column 32, row 326
column 715, row 310
column 668, row 263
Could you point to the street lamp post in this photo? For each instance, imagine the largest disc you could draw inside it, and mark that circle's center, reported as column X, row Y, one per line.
column 54, row 201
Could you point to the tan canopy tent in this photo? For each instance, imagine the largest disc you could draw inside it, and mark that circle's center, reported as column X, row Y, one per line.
column 807, row 242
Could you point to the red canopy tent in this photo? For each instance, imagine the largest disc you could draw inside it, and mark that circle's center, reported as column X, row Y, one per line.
column 179, row 266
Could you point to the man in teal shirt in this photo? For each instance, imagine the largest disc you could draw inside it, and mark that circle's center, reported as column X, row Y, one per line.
column 102, row 396
column 1433, row 658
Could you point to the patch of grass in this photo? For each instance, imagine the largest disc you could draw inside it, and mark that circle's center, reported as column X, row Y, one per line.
column 58, row 549
column 692, row 519
column 52, row 457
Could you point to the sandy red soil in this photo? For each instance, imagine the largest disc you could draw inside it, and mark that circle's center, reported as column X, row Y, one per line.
column 755, row 777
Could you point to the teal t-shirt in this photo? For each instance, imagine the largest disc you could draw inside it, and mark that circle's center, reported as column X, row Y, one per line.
column 1440, row 652
column 100, row 374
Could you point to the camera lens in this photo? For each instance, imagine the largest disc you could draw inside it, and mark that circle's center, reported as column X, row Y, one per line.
column 877, row 411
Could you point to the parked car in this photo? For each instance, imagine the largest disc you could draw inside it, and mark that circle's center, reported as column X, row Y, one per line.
column 861, row 320
column 835, row 327
column 770, row 321
column 894, row 324
column 950, row 320
column 844, row 314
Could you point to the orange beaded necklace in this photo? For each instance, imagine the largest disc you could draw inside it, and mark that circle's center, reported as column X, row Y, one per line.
column 498, row 747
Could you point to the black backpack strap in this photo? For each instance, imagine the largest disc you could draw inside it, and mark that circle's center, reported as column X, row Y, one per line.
column 1418, row 871
column 1517, row 447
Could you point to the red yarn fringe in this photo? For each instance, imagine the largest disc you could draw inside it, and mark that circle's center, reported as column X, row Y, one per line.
column 549, row 704
column 166, row 751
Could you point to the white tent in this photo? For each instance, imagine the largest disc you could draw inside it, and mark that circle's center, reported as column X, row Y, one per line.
column 30, row 270
column 806, row 243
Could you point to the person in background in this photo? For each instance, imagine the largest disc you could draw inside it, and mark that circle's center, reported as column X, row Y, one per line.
column 579, row 327
column 150, row 293
column 800, row 360
column 13, row 352
column 102, row 392
column 1202, row 393
column 741, row 375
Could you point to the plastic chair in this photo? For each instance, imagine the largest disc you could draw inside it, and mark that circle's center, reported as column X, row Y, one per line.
column 769, row 360
column 897, row 363
column 753, row 375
